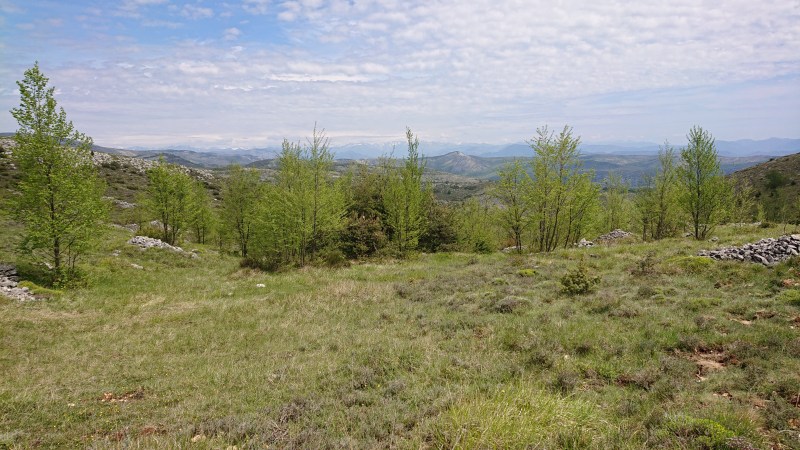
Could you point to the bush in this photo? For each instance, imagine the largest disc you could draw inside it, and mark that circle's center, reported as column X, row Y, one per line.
column 692, row 264
column 37, row 290
column 483, row 247
column 152, row 231
column 334, row 258
column 579, row 281
column 362, row 236
column 791, row 296
column 112, row 165
column 440, row 232
column 706, row 433
column 645, row 266
column 267, row 264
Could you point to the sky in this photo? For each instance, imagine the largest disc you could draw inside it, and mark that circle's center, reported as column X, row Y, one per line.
column 249, row 73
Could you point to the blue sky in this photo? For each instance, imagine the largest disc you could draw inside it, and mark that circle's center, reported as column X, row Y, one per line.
column 157, row 73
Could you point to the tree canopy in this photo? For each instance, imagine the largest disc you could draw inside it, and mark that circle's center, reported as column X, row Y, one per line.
column 60, row 199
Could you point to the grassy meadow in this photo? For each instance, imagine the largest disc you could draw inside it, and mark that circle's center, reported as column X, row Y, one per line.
column 441, row 351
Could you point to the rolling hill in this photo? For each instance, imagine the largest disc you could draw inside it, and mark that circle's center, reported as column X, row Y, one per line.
column 631, row 167
column 777, row 186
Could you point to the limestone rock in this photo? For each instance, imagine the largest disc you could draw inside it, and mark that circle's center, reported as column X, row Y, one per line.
column 614, row 235
column 767, row 251
column 148, row 242
column 9, row 284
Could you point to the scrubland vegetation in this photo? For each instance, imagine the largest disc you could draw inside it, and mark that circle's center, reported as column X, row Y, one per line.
column 359, row 311
column 443, row 350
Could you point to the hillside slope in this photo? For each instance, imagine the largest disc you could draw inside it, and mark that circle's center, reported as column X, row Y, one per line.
column 631, row 167
column 777, row 186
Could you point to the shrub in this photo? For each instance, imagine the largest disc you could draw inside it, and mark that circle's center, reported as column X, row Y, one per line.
column 692, row 264
column 708, row 433
column 334, row 258
column 508, row 305
column 779, row 412
column 362, row 236
column 37, row 290
column 645, row 266
column 112, row 165
column 579, row 281
column 263, row 263
column 791, row 296
column 440, row 230
column 520, row 415
column 483, row 247
column 526, row 273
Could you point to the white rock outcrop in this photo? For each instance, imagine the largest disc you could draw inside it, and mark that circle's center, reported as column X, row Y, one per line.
column 767, row 251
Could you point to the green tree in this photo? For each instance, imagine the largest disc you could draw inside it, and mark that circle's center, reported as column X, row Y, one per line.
column 563, row 196
column 657, row 201
column 404, row 198
column 365, row 191
column 616, row 208
column 304, row 211
column 364, row 231
column 327, row 202
column 513, row 192
column 201, row 212
column 475, row 226
column 241, row 196
column 743, row 203
column 60, row 193
column 167, row 198
column 440, row 232
column 284, row 229
column 704, row 192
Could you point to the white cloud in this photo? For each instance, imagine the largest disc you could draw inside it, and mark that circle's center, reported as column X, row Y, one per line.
column 150, row 23
column 256, row 7
column 198, row 68
column 131, row 8
column 231, row 34
column 196, row 12
column 6, row 7
column 485, row 70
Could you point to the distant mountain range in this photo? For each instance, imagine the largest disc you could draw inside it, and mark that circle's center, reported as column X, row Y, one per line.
column 222, row 157
column 630, row 159
column 632, row 168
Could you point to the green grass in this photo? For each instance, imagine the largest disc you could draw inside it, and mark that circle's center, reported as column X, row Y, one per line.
column 443, row 351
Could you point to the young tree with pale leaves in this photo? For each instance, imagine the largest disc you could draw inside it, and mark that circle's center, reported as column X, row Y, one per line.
column 242, row 193
column 60, row 194
column 404, row 198
column 563, row 195
column 513, row 192
column 167, row 199
column 704, row 192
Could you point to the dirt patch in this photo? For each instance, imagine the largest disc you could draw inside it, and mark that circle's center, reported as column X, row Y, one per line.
column 764, row 314
column 110, row 397
column 150, row 430
column 743, row 322
column 710, row 361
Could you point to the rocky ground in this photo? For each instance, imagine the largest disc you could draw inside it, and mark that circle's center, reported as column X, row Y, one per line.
column 605, row 238
column 766, row 251
column 9, row 284
column 614, row 235
column 105, row 159
column 145, row 242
